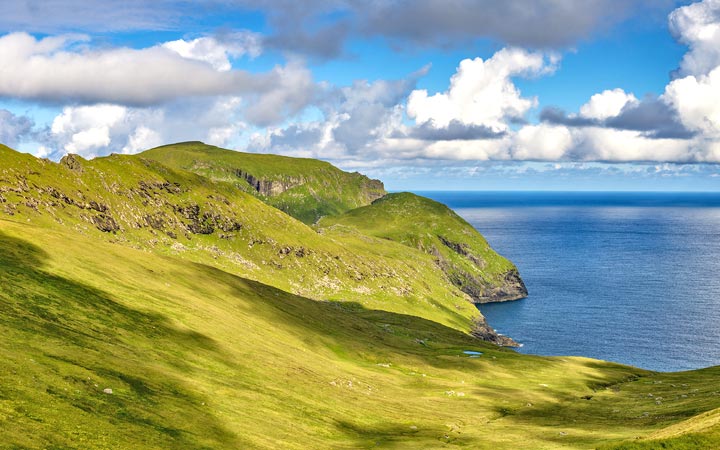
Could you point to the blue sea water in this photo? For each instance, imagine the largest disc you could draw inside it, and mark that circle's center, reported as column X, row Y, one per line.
column 626, row 277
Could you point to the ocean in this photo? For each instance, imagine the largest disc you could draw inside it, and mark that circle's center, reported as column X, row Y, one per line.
column 626, row 277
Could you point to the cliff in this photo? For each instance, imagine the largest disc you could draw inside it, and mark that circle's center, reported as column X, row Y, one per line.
column 462, row 254
column 230, row 224
column 306, row 189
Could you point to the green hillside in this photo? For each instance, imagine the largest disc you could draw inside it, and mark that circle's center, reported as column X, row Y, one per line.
column 139, row 203
column 197, row 357
column 460, row 251
column 149, row 307
column 307, row 189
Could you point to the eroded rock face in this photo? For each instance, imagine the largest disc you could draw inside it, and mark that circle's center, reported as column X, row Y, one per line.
column 483, row 331
column 269, row 188
column 512, row 288
column 72, row 162
column 105, row 223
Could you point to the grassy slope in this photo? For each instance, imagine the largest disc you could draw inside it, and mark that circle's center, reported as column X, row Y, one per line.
column 417, row 222
column 270, row 247
column 322, row 188
column 200, row 358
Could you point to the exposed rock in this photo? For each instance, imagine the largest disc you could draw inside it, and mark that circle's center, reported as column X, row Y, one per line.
column 268, row 188
column 72, row 162
column 483, row 331
column 512, row 288
column 480, row 291
column 155, row 221
column 105, row 223
column 464, row 250
column 99, row 207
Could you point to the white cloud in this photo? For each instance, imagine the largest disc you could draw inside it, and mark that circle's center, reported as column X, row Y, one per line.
column 291, row 90
column 86, row 129
column 482, row 92
column 215, row 52
column 366, row 123
column 59, row 69
column 97, row 130
column 698, row 26
column 141, row 139
column 607, row 104
column 604, row 144
column 542, row 142
column 476, row 150
column 697, row 101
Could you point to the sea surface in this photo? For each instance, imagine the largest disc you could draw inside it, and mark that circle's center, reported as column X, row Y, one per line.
column 626, row 277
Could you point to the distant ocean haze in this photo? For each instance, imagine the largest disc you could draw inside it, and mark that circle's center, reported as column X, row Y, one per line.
column 625, row 277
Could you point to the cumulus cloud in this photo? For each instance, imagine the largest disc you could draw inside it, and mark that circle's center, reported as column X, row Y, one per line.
column 292, row 90
column 217, row 52
column 698, row 26
column 481, row 92
column 652, row 116
column 607, row 104
column 14, row 128
column 542, row 142
column 681, row 125
column 98, row 130
column 697, row 100
column 87, row 128
column 354, row 119
column 610, row 145
column 482, row 116
column 57, row 69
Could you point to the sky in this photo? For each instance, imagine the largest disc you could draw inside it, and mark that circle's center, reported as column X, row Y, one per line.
column 423, row 94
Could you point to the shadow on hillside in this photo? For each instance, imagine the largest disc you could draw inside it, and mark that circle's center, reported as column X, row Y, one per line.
column 386, row 435
column 350, row 326
column 77, row 333
column 73, row 329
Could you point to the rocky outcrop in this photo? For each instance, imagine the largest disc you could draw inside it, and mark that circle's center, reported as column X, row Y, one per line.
column 512, row 288
column 72, row 162
column 509, row 287
column 268, row 188
column 485, row 332
column 105, row 223
column 372, row 189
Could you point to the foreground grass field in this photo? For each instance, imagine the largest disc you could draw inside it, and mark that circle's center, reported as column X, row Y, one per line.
column 197, row 357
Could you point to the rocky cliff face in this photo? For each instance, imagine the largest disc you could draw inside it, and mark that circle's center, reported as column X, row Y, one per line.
column 304, row 188
column 465, row 269
column 269, row 188
column 485, row 332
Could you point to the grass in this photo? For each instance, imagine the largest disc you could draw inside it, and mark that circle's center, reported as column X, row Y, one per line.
column 200, row 358
column 311, row 189
column 350, row 339
column 433, row 228
column 151, row 204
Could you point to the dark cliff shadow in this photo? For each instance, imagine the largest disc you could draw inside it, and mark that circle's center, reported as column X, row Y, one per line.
column 76, row 335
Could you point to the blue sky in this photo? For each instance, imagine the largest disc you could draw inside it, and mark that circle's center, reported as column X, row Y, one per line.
column 424, row 94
